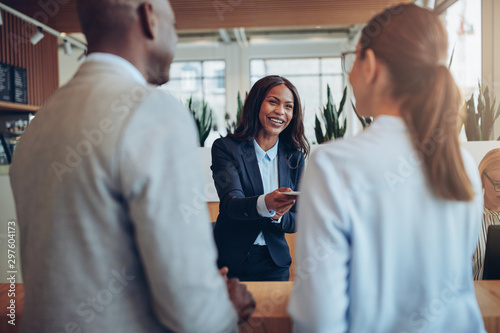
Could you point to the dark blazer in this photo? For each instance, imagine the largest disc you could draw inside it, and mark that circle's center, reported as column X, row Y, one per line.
column 238, row 182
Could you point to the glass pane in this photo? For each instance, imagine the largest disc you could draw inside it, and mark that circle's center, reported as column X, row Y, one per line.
column 186, row 84
column 336, row 83
column 214, row 86
column 254, row 79
column 185, row 69
column 257, row 68
column 331, row 66
column 463, row 23
column 288, row 67
column 214, row 68
column 218, row 105
column 309, row 90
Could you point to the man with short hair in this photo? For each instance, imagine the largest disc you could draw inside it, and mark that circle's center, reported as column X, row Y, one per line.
column 104, row 180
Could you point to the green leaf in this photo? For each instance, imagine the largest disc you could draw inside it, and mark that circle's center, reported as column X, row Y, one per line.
column 231, row 125
column 240, row 108
column 317, row 131
column 342, row 102
column 330, row 116
column 203, row 118
column 471, row 125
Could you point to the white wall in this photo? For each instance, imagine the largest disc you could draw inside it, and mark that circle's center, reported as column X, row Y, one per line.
column 68, row 64
column 491, row 49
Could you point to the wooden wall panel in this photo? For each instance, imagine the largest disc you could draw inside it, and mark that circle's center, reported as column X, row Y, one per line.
column 40, row 61
column 213, row 14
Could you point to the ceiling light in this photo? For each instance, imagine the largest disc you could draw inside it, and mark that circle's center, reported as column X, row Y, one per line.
column 224, row 36
column 42, row 28
column 243, row 36
column 67, row 47
column 37, row 36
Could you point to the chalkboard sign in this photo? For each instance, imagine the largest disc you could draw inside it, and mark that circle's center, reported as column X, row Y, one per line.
column 20, row 85
column 6, row 91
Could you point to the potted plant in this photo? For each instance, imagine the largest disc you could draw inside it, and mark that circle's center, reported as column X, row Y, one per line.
column 231, row 126
column 480, row 117
column 203, row 118
column 330, row 119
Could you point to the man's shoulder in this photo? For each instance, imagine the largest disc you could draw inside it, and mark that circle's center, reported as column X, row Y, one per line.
column 162, row 105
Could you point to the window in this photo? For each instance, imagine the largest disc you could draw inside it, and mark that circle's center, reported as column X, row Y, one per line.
column 310, row 76
column 203, row 80
column 463, row 23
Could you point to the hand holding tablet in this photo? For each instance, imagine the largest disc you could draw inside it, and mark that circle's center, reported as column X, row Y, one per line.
column 291, row 193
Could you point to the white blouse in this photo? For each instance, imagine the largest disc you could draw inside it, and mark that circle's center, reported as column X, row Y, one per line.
column 376, row 250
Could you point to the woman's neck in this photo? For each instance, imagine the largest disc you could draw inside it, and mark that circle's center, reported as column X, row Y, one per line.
column 386, row 106
column 494, row 207
column 265, row 141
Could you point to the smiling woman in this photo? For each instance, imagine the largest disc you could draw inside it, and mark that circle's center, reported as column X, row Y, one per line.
column 275, row 114
column 250, row 168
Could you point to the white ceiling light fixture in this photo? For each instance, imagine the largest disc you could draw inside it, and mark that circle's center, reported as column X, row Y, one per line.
column 37, row 36
column 67, row 47
column 237, row 35
column 43, row 27
column 241, row 38
column 224, row 35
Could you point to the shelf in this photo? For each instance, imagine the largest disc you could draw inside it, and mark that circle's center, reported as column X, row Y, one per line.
column 8, row 106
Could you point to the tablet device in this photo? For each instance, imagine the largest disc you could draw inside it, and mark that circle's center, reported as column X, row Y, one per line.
column 293, row 193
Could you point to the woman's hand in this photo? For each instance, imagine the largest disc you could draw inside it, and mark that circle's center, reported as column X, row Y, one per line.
column 279, row 202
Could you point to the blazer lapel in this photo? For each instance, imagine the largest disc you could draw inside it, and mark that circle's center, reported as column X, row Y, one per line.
column 283, row 169
column 252, row 167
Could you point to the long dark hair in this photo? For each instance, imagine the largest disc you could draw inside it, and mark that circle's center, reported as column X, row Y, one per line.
column 412, row 42
column 249, row 124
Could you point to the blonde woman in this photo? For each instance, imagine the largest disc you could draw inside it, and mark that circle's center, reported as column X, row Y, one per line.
column 489, row 169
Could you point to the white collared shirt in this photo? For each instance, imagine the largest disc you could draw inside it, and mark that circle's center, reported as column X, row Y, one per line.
column 268, row 166
column 118, row 61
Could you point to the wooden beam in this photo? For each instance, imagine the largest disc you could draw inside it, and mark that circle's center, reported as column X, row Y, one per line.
column 215, row 14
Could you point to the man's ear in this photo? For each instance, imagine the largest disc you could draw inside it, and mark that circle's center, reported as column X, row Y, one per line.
column 370, row 66
column 148, row 19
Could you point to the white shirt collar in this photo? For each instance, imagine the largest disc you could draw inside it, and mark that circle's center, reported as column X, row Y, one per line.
column 390, row 122
column 260, row 153
column 118, row 61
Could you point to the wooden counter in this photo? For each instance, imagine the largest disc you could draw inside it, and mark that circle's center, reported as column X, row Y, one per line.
column 272, row 300
column 488, row 297
column 270, row 314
